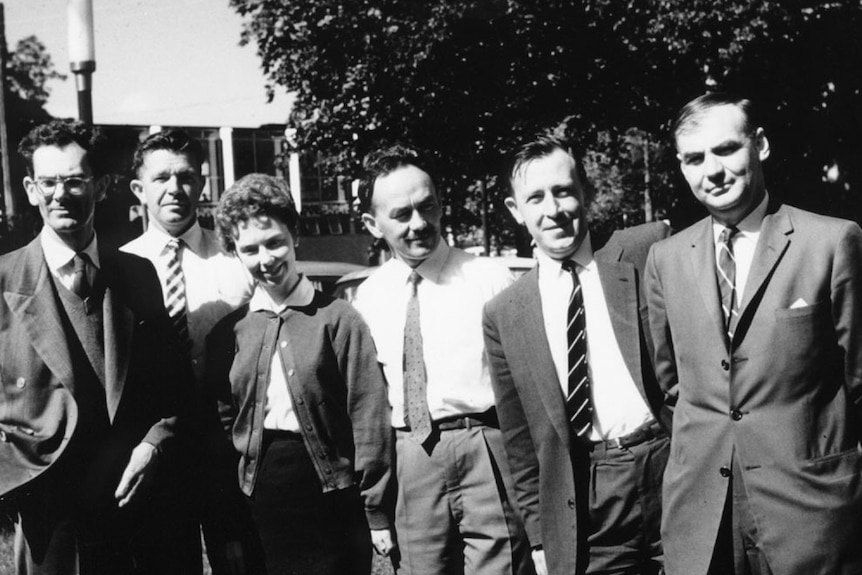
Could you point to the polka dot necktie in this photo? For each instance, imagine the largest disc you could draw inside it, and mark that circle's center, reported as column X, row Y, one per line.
column 415, row 378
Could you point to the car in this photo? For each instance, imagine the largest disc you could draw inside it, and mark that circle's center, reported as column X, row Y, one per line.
column 325, row 275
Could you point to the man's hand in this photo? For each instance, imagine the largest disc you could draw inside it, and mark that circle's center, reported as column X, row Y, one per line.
column 382, row 540
column 539, row 562
column 138, row 474
column 235, row 558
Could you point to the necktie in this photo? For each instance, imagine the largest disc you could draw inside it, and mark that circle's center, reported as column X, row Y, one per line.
column 175, row 295
column 727, row 280
column 579, row 404
column 415, row 378
column 80, row 281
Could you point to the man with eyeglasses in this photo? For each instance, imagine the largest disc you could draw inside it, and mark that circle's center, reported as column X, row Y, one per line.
column 88, row 380
column 199, row 282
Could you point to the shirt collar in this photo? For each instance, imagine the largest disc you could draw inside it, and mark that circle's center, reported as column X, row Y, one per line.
column 750, row 224
column 431, row 267
column 192, row 237
column 302, row 295
column 583, row 257
column 59, row 254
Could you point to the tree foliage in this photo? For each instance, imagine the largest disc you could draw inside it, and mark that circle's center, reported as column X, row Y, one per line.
column 468, row 78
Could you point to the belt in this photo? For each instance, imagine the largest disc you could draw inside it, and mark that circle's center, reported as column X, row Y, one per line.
column 640, row 435
column 485, row 419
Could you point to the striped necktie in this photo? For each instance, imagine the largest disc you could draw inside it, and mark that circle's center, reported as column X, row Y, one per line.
column 175, row 294
column 579, row 404
column 726, row 274
column 415, row 378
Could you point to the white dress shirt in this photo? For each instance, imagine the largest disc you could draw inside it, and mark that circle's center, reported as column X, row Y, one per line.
column 743, row 243
column 216, row 283
column 454, row 288
column 58, row 256
column 278, row 411
column 618, row 407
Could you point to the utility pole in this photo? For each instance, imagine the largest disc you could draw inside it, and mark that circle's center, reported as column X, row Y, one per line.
column 7, row 210
column 82, row 54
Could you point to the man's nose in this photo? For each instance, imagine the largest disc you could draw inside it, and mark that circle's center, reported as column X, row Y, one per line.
column 712, row 167
column 417, row 221
column 550, row 205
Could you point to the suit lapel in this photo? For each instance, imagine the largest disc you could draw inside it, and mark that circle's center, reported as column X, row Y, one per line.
column 33, row 302
column 529, row 323
column 703, row 267
column 119, row 330
column 774, row 239
column 619, row 285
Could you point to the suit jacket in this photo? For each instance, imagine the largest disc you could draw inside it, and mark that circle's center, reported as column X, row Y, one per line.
column 39, row 393
column 782, row 401
column 529, row 399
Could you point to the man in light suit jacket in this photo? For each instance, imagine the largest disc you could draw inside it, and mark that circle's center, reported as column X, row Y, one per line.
column 589, row 493
column 755, row 315
column 88, row 408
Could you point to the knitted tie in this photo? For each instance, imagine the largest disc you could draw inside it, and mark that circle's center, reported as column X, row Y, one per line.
column 80, row 281
column 175, row 295
column 415, row 379
column 726, row 272
column 579, row 405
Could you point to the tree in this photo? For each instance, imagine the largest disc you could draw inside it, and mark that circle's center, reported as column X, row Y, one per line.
column 27, row 71
column 468, row 78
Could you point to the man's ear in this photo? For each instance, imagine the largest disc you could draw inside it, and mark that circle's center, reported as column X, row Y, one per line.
column 512, row 205
column 101, row 186
column 137, row 187
column 371, row 226
column 761, row 143
column 32, row 192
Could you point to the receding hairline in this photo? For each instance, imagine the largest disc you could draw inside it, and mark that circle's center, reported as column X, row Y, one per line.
column 399, row 167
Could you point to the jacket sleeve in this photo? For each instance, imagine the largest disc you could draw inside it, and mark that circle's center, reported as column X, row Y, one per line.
column 665, row 360
column 370, row 416
column 517, row 439
column 846, row 288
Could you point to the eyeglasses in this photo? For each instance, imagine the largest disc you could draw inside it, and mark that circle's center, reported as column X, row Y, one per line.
column 73, row 184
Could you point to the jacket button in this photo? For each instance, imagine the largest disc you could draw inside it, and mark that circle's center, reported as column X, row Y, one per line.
column 724, row 471
column 571, row 503
column 2, row 436
column 20, row 383
column 736, row 415
column 290, row 372
column 308, row 428
column 283, row 344
column 725, row 365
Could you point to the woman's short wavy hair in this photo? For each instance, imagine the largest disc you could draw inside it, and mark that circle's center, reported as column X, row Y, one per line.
column 253, row 196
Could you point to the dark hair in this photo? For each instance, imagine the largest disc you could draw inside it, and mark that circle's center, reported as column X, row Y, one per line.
column 253, row 196
column 61, row 133
column 690, row 113
column 382, row 162
column 544, row 145
column 173, row 140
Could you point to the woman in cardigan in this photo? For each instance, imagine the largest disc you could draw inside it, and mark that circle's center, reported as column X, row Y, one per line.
column 301, row 397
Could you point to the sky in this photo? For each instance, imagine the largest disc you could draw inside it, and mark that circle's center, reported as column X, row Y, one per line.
column 158, row 62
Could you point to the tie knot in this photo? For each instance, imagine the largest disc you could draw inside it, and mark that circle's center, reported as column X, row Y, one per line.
column 174, row 245
column 414, row 279
column 80, row 261
column 570, row 266
column 727, row 234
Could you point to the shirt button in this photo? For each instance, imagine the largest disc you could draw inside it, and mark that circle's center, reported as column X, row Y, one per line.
column 20, row 383
column 724, row 471
column 725, row 365
column 736, row 415
column 283, row 344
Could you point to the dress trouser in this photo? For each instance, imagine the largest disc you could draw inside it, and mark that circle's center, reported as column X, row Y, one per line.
column 624, row 487
column 455, row 508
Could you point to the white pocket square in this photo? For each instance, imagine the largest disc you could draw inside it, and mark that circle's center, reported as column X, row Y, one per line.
column 799, row 303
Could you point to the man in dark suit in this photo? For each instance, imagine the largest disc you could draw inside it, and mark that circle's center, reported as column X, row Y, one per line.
column 87, row 397
column 755, row 315
column 581, row 422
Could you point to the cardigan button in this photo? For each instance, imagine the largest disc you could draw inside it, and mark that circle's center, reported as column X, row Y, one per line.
column 725, row 365
column 290, row 372
column 724, row 471
column 571, row 503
